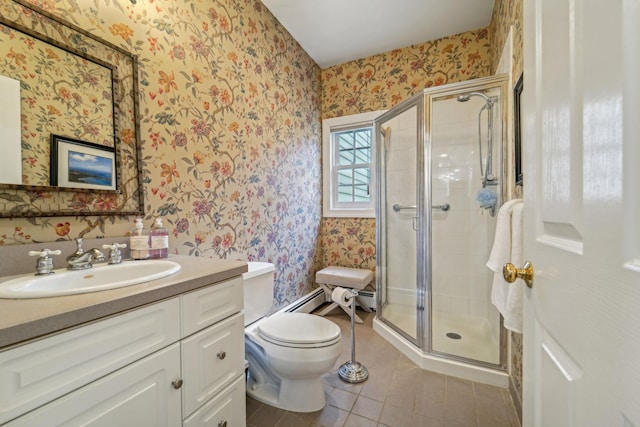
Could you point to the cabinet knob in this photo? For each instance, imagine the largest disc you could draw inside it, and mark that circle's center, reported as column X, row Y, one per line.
column 222, row 423
column 221, row 356
column 177, row 383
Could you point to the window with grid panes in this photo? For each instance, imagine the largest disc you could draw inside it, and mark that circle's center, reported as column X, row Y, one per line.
column 353, row 164
column 348, row 166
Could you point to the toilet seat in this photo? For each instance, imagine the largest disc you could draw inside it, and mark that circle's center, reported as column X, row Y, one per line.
column 298, row 330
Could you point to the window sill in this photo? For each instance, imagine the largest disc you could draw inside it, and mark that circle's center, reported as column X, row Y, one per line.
column 349, row 213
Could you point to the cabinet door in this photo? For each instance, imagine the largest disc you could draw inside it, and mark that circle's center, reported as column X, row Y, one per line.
column 206, row 306
column 228, row 409
column 212, row 359
column 37, row 373
column 140, row 395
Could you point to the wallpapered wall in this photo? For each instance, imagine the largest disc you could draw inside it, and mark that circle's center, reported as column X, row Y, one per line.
column 380, row 82
column 508, row 13
column 230, row 129
column 72, row 96
column 81, row 108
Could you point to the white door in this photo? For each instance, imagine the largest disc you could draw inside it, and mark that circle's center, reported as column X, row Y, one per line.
column 581, row 141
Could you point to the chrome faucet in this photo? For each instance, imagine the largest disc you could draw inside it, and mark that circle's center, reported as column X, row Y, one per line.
column 81, row 259
column 115, row 256
column 44, row 265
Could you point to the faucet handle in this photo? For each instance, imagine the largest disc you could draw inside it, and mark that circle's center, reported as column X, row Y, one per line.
column 79, row 250
column 114, row 246
column 45, row 252
column 44, row 265
column 115, row 257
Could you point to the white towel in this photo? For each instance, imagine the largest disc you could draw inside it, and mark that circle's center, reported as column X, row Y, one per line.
column 513, row 320
column 507, row 247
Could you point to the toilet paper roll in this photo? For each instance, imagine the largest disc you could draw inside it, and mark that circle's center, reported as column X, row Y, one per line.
column 342, row 296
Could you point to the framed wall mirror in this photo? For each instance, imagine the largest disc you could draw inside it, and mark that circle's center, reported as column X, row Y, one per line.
column 59, row 82
column 517, row 132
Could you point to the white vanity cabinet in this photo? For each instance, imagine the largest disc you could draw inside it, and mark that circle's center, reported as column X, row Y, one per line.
column 172, row 363
column 136, row 395
column 213, row 355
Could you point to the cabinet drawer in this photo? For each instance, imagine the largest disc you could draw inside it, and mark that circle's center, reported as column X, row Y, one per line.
column 138, row 395
column 211, row 359
column 37, row 373
column 206, row 306
column 227, row 407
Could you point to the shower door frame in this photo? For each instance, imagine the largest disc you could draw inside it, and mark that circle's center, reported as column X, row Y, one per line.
column 422, row 101
column 381, row 249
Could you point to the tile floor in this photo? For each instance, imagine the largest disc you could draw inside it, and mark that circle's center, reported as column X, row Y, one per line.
column 397, row 393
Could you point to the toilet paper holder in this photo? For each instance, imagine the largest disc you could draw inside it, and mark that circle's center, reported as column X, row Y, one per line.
column 351, row 371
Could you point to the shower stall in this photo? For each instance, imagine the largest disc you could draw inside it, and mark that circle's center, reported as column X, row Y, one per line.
column 440, row 182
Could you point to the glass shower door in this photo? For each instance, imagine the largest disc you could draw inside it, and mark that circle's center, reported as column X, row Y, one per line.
column 440, row 173
column 398, row 213
column 464, row 323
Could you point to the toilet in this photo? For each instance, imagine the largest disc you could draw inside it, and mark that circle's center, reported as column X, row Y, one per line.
column 287, row 353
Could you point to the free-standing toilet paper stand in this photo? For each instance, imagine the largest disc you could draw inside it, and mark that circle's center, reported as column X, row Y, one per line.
column 353, row 371
column 345, row 277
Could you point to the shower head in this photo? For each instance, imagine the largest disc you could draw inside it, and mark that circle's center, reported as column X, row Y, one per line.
column 466, row 96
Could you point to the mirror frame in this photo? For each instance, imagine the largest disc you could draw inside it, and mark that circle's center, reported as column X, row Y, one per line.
column 517, row 131
column 20, row 201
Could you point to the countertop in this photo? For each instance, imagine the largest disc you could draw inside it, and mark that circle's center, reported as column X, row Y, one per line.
column 22, row 320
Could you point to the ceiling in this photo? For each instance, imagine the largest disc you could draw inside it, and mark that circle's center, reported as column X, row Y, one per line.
column 338, row 31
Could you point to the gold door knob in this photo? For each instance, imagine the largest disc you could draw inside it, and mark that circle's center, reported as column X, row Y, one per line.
column 511, row 273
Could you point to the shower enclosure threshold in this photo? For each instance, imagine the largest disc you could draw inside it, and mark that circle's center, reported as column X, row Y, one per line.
column 438, row 364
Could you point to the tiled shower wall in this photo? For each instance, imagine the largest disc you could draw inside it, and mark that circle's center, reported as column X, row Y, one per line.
column 461, row 237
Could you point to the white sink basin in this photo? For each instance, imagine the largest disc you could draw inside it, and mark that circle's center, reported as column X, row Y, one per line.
column 99, row 278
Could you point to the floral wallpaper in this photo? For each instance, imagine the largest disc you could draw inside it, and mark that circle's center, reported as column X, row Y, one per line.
column 78, row 93
column 71, row 96
column 349, row 242
column 230, row 134
column 380, row 82
column 507, row 13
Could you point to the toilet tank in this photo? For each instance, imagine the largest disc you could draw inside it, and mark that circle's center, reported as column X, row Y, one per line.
column 258, row 291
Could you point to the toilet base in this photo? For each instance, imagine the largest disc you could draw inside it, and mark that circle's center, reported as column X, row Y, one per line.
column 292, row 395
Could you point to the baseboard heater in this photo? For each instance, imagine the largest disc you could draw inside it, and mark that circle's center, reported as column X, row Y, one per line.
column 314, row 299
column 307, row 303
column 369, row 297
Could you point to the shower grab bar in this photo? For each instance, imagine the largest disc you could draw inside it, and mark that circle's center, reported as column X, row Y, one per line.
column 444, row 207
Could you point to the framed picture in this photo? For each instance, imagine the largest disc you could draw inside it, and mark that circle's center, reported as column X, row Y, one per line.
column 517, row 132
column 80, row 164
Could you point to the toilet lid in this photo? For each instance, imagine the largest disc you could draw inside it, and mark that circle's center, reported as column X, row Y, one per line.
column 299, row 330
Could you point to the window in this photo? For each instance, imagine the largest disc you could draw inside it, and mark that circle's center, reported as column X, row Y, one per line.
column 349, row 166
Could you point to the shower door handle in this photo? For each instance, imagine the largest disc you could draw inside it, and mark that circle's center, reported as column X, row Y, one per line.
column 399, row 208
column 443, row 207
column 414, row 224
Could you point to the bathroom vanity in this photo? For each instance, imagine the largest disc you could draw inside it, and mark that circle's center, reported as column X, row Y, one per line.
column 168, row 352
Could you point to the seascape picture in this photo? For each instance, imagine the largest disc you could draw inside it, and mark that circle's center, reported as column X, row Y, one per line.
column 90, row 169
column 82, row 164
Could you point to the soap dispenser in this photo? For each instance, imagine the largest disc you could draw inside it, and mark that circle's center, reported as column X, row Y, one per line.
column 139, row 241
column 159, row 240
